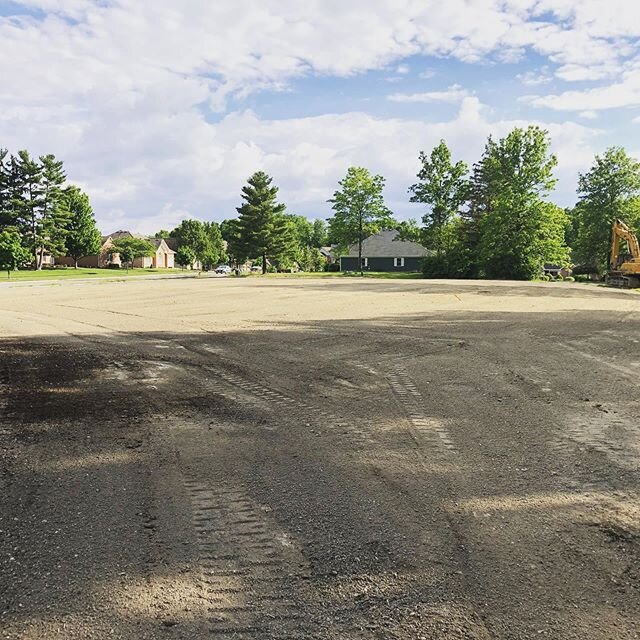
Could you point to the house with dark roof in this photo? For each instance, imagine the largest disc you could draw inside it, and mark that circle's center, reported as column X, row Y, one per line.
column 384, row 252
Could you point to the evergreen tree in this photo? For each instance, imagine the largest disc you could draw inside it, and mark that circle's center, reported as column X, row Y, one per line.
column 27, row 201
column 609, row 190
column 359, row 208
column 258, row 222
column 83, row 237
column 7, row 218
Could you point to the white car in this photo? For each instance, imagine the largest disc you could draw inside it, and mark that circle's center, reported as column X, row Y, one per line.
column 256, row 268
column 223, row 269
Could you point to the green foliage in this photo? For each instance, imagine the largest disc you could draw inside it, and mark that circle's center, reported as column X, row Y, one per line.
column 215, row 252
column 185, row 256
column 319, row 236
column 443, row 187
column 409, row 230
column 237, row 250
column 130, row 249
column 259, row 223
column 609, row 190
column 12, row 253
column 203, row 239
column 162, row 234
column 82, row 235
column 519, row 237
column 359, row 208
column 518, row 230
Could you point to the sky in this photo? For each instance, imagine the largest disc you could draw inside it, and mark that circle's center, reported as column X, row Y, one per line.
column 161, row 110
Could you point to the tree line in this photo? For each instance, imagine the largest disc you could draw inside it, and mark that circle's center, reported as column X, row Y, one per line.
column 496, row 220
column 493, row 220
column 40, row 214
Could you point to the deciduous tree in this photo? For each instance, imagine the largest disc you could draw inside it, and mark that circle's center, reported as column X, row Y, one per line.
column 359, row 208
column 130, row 249
column 83, row 237
column 443, row 187
column 609, row 190
column 519, row 230
column 12, row 252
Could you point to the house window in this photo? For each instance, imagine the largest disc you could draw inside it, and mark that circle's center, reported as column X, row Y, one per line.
column 398, row 262
column 364, row 262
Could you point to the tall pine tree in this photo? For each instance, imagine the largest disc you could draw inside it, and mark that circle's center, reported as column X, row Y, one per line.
column 258, row 224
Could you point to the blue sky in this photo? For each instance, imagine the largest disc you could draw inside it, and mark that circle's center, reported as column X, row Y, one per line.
column 162, row 110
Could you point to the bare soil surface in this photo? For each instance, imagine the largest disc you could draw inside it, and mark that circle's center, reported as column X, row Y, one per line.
column 360, row 459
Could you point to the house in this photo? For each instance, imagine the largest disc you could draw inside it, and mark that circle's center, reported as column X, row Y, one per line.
column 172, row 244
column 382, row 252
column 104, row 258
column 163, row 258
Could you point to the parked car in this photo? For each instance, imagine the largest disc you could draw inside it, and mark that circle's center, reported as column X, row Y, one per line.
column 256, row 268
column 223, row 269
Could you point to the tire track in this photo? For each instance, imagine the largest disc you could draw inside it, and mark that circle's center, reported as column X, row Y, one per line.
column 252, row 575
column 428, row 430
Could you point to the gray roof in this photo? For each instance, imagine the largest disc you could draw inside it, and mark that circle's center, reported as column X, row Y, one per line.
column 383, row 245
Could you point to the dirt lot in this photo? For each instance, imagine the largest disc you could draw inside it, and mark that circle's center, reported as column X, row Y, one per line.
column 356, row 459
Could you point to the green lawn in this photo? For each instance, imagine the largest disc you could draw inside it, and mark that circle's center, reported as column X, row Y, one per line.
column 70, row 273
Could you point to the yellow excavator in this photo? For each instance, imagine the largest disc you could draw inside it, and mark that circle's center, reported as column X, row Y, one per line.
column 624, row 269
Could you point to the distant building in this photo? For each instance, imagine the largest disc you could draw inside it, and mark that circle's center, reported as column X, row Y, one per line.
column 382, row 252
column 162, row 258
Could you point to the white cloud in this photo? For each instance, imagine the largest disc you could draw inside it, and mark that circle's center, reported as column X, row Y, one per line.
column 623, row 93
column 588, row 115
column 454, row 93
column 534, row 78
column 123, row 90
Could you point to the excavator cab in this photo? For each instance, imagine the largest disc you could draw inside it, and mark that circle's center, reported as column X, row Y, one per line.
column 624, row 268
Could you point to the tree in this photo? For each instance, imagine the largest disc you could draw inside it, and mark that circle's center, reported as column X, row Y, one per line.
column 609, row 190
column 258, row 222
column 192, row 234
column 319, row 237
column 12, row 253
column 83, row 237
column 185, row 256
column 285, row 246
column 359, row 208
column 39, row 204
column 215, row 252
column 519, row 231
column 443, row 187
column 162, row 234
column 130, row 249
column 237, row 250
column 54, row 214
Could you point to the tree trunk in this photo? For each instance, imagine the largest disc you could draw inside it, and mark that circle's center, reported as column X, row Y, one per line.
column 264, row 263
column 75, row 264
column 360, row 233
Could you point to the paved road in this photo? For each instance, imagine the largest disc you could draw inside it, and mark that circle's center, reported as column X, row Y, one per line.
column 426, row 473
